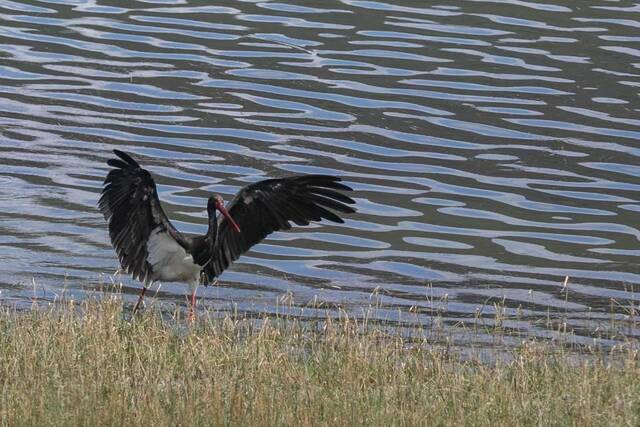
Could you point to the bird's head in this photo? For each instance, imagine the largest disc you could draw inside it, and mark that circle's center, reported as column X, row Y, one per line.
column 213, row 202
column 216, row 202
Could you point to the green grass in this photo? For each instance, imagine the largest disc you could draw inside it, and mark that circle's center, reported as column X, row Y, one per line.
column 85, row 364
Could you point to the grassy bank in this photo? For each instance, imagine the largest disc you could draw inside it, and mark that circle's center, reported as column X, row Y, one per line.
column 88, row 365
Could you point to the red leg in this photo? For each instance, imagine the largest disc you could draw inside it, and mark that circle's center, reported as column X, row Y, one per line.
column 139, row 303
column 193, row 304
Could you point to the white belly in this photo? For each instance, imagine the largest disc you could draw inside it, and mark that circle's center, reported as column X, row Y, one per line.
column 169, row 261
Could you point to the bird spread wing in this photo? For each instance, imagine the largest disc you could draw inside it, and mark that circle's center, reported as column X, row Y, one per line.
column 130, row 204
column 267, row 206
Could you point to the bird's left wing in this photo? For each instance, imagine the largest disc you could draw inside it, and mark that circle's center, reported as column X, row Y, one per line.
column 267, row 206
column 130, row 204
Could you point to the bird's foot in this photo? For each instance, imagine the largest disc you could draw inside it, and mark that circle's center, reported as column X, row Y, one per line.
column 140, row 306
column 140, row 302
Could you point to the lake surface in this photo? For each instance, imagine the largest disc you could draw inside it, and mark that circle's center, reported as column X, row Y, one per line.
column 493, row 147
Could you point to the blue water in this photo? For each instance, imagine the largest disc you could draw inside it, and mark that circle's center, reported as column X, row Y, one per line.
column 493, row 147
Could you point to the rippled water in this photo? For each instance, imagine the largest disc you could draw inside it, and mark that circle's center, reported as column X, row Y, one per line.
column 493, row 146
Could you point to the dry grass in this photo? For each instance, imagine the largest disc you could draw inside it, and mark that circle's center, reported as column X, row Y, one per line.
column 87, row 365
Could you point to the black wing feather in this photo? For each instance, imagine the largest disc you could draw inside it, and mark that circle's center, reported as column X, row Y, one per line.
column 130, row 204
column 270, row 205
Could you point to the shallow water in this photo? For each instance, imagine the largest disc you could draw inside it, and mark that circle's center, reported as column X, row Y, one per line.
column 492, row 146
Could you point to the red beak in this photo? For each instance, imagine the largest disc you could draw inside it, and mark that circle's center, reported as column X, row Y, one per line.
column 225, row 212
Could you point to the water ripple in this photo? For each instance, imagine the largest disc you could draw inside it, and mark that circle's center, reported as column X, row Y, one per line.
column 493, row 149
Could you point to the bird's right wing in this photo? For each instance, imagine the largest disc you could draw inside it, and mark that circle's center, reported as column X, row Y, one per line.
column 267, row 206
column 130, row 204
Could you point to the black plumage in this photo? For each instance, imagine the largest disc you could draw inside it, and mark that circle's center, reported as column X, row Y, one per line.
column 130, row 204
column 150, row 248
column 271, row 205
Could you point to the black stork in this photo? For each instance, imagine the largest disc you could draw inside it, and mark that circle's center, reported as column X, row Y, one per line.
column 151, row 249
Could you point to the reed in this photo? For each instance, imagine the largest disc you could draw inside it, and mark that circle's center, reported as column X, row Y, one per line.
column 87, row 363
